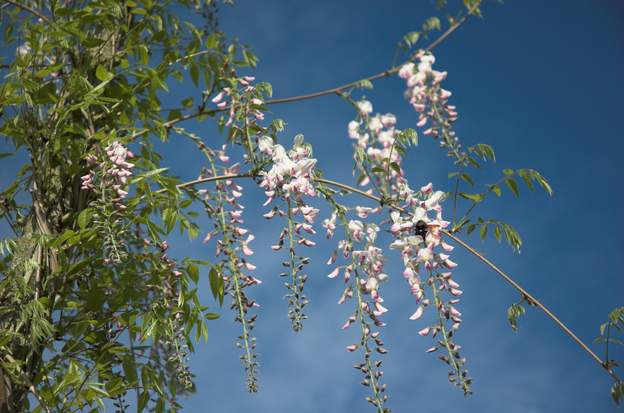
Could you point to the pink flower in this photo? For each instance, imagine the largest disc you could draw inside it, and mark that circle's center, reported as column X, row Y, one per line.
column 218, row 97
column 418, row 313
column 406, row 70
column 245, row 246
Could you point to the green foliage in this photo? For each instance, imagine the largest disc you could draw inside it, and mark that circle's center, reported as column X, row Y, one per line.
column 515, row 311
column 92, row 306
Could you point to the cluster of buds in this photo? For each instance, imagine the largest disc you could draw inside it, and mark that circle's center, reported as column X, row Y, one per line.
column 425, row 255
column 430, row 100
column 115, row 170
column 233, row 247
column 363, row 275
column 291, row 171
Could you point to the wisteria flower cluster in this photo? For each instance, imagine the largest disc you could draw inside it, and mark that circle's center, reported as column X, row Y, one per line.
column 290, row 171
column 363, row 274
column 290, row 178
column 108, row 180
column 233, row 99
column 426, row 95
column 427, row 263
column 417, row 236
column 114, row 170
column 234, row 250
column 377, row 152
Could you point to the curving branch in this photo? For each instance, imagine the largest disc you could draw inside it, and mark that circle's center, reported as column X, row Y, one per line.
column 525, row 294
column 335, row 90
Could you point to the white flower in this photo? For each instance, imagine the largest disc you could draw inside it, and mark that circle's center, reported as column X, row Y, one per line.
column 406, row 70
column 265, row 144
column 23, row 50
column 355, row 229
column 365, row 107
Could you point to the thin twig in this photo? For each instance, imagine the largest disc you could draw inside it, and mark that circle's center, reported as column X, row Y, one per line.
column 28, row 9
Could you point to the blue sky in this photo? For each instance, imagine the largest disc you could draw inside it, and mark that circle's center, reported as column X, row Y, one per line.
column 541, row 82
column 538, row 80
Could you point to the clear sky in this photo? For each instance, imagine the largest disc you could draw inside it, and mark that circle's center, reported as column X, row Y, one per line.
column 542, row 83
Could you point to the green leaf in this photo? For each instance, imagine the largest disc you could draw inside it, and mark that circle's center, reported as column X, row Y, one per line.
column 513, row 312
column 216, row 282
column 212, row 316
column 617, row 391
column 85, row 217
column 188, row 102
column 143, row 399
column 148, row 174
column 410, row 39
column 497, row 232
column 45, row 94
column 513, row 186
column 364, row 84
column 476, row 198
column 483, row 231
column 193, row 272
column 483, row 151
column 496, row 189
column 194, row 72
column 102, row 74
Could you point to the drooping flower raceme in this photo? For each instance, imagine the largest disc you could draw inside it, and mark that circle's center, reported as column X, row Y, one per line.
column 233, row 247
column 427, row 263
column 114, row 170
column 378, row 146
column 363, row 274
column 290, row 178
column 417, row 229
column 426, row 95
column 108, row 179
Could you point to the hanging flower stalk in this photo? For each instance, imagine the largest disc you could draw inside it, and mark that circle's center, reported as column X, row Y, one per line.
column 289, row 178
column 363, row 276
column 419, row 239
column 377, row 151
column 107, row 179
column 233, row 247
column 426, row 95
column 244, row 101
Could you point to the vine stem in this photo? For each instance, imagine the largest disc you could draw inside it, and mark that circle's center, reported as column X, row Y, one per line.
column 297, row 322
column 525, row 294
column 364, row 339
column 235, row 275
column 445, row 338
